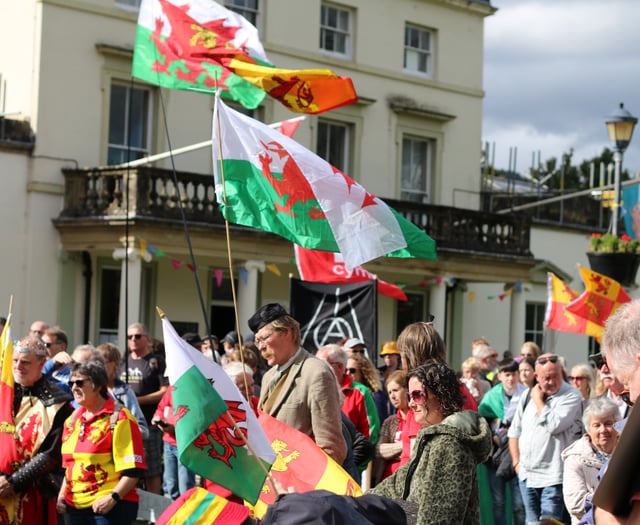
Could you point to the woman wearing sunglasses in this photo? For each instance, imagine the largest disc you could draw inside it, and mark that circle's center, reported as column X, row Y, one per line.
column 441, row 474
column 102, row 453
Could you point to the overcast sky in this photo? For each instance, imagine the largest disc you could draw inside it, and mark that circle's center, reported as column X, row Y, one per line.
column 554, row 70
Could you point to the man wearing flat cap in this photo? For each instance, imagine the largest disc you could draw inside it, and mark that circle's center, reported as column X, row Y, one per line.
column 299, row 389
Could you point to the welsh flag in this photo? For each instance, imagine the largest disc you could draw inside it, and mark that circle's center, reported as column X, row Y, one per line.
column 207, row 404
column 8, row 453
column 328, row 267
column 301, row 464
column 273, row 183
column 602, row 297
column 559, row 295
column 199, row 45
column 197, row 506
column 176, row 38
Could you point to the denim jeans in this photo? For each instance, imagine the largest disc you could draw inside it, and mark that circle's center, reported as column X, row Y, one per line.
column 124, row 513
column 498, row 491
column 542, row 503
column 177, row 478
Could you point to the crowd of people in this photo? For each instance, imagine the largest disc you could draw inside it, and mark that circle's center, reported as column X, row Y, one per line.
column 93, row 425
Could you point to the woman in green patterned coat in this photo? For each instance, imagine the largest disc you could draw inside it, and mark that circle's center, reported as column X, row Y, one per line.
column 441, row 474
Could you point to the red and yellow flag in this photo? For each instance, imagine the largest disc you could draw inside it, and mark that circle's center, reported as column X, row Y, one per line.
column 8, row 453
column 559, row 295
column 602, row 297
column 301, row 464
column 198, row 506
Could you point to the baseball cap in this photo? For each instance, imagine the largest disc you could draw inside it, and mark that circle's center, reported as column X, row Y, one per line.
column 354, row 341
column 389, row 348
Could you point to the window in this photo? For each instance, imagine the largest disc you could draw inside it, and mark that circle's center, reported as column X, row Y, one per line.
column 333, row 144
column 418, row 50
column 223, row 317
column 534, row 322
column 411, row 311
column 335, row 30
column 416, row 169
column 245, row 8
column 129, row 123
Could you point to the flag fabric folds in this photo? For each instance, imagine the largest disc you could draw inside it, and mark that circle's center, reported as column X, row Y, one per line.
column 202, row 46
column 273, row 183
column 328, row 267
column 328, row 313
column 176, row 40
column 559, row 295
column 602, row 297
column 207, row 403
column 301, row 464
column 198, row 506
column 8, row 453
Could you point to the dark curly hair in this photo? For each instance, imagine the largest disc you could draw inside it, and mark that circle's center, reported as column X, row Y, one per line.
column 442, row 382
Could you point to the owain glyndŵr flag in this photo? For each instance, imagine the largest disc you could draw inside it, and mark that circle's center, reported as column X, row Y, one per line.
column 199, row 45
column 273, row 183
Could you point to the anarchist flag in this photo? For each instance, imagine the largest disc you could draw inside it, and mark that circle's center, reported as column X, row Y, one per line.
column 328, row 313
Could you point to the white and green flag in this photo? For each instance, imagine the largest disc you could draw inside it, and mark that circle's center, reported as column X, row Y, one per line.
column 275, row 184
column 206, row 404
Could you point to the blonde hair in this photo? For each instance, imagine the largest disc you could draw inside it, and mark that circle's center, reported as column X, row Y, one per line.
column 471, row 363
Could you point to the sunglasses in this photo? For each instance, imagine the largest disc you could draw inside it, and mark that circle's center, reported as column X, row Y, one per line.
column 417, row 396
column 135, row 336
column 578, row 379
column 77, row 382
column 626, row 397
column 49, row 345
column 544, row 360
column 357, row 351
column 352, row 371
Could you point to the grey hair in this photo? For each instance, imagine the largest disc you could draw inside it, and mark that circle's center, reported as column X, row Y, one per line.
column 333, row 352
column 96, row 372
column 621, row 338
column 31, row 345
column 234, row 368
column 599, row 407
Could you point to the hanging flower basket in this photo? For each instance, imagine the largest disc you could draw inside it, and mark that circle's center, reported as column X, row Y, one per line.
column 621, row 267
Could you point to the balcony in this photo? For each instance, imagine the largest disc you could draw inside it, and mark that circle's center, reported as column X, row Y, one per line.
column 100, row 195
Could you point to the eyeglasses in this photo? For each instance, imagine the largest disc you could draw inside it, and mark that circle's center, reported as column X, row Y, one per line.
column 49, row 345
column 135, row 336
column 351, row 371
column 544, row 360
column 77, row 382
column 577, row 379
column 263, row 340
column 417, row 396
column 356, row 350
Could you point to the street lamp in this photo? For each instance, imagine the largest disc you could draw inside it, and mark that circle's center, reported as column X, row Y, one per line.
column 620, row 126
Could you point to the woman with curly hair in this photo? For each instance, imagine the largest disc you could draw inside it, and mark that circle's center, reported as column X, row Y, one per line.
column 441, row 474
column 364, row 372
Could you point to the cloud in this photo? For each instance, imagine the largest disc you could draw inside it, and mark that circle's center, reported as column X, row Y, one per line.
column 554, row 71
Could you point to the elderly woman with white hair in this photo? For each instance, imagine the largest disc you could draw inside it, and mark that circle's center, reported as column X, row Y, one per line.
column 584, row 457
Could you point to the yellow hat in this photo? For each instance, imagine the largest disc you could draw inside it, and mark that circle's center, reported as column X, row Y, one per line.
column 390, row 348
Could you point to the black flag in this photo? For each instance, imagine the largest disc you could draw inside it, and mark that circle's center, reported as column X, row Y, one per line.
column 328, row 313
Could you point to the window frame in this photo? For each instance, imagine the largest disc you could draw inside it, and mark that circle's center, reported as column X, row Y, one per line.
column 428, row 190
column 137, row 151
column 346, row 164
column 347, row 33
column 429, row 52
column 242, row 9
column 535, row 333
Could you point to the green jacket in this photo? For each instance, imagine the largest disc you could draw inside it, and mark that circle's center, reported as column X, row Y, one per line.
column 441, row 474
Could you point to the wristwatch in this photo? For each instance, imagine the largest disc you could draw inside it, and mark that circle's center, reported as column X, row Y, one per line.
column 115, row 496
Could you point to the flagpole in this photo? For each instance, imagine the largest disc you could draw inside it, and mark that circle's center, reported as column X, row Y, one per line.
column 236, row 428
column 186, row 149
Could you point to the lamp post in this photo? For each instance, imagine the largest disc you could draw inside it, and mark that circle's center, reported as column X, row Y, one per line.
column 620, row 126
